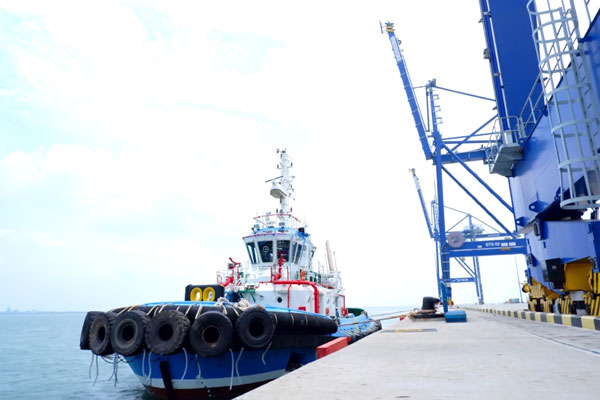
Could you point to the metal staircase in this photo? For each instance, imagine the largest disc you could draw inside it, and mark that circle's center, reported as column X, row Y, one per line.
column 571, row 101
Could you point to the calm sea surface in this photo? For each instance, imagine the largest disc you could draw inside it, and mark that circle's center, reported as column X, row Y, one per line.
column 40, row 359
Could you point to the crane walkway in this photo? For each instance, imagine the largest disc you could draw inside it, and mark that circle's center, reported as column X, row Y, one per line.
column 490, row 356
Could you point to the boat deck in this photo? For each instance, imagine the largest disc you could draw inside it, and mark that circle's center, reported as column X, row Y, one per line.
column 490, row 356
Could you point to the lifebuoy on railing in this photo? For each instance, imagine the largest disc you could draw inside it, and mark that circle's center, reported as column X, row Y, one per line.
column 196, row 294
column 209, row 294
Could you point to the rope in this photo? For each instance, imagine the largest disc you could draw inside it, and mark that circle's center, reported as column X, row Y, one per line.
column 151, row 309
column 143, row 365
column 115, row 369
column 199, row 376
column 198, row 312
column 122, row 311
column 231, row 380
column 163, row 307
column 97, row 372
column 236, row 365
column 245, row 304
column 188, row 310
column 265, row 353
column 150, row 369
column 392, row 312
column 91, row 363
column 186, row 364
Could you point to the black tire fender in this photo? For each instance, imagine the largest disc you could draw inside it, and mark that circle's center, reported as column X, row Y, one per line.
column 84, row 339
column 166, row 332
column 211, row 334
column 100, row 334
column 254, row 328
column 127, row 335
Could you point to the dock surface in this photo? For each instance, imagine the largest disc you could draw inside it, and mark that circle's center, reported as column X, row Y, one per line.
column 489, row 357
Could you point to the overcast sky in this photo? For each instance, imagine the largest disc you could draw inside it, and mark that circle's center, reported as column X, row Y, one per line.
column 135, row 139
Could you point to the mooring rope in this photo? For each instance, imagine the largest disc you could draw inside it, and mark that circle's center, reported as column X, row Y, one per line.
column 149, row 381
column 265, row 353
column 232, row 362
column 143, row 365
column 151, row 309
column 186, row 364
column 91, row 363
column 97, row 372
column 115, row 369
column 199, row 376
column 236, row 365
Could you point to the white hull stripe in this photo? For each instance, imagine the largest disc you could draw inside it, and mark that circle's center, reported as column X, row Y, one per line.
column 202, row 383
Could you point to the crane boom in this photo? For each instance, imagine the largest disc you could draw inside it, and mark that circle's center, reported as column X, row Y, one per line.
column 423, row 206
column 410, row 92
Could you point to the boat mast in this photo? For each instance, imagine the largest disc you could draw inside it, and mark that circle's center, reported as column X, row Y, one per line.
column 282, row 186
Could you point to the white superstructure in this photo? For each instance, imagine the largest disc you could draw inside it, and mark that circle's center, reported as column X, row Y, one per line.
column 281, row 270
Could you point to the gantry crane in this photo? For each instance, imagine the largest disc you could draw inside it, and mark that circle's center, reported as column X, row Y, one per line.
column 470, row 242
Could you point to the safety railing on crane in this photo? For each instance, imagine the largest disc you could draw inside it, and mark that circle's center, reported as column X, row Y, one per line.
column 570, row 99
column 534, row 106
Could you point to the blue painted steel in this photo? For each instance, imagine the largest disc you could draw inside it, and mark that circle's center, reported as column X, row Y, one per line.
column 445, row 155
column 473, row 155
column 513, row 58
column 466, row 267
column 567, row 240
column 550, row 231
column 490, row 248
column 456, row 316
column 464, row 93
column 460, row 280
column 479, row 203
column 410, row 93
column 485, row 185
column 422, row 201
column 444, row 257
column 486, row 19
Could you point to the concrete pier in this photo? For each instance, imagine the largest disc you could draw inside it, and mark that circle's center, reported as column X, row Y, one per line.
column 489, row 357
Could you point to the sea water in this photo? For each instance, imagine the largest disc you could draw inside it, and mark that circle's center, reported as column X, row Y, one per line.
column 40, row 359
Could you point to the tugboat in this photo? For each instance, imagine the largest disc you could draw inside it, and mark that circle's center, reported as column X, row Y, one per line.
column 261, row 320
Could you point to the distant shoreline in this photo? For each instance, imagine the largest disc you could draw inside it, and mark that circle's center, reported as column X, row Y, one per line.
column 39, row 312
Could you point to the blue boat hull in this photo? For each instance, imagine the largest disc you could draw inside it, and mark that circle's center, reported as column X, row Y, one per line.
column 227, row 375
column 238, row 369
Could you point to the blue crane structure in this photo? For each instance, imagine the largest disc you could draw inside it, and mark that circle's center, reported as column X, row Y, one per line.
column 544, row 59
column 468, row 243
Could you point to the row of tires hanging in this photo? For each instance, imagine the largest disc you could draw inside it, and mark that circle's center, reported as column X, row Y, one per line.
column 205, row 330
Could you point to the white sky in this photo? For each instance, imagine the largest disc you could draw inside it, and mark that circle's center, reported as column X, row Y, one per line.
column 135, row 140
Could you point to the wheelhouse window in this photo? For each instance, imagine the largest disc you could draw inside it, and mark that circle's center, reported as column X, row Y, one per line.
column 298, row 253
column 252, row 252
column 266, row 251
column 283, row 249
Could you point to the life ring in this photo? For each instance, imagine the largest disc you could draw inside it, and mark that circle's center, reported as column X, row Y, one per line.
column 84, row 339
column 209, row 294
column 100, row 334
column 211, row 334
column 302, row 274
column 127, row 335
column 254, row 328
column 196, row 294
column 166, row 332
